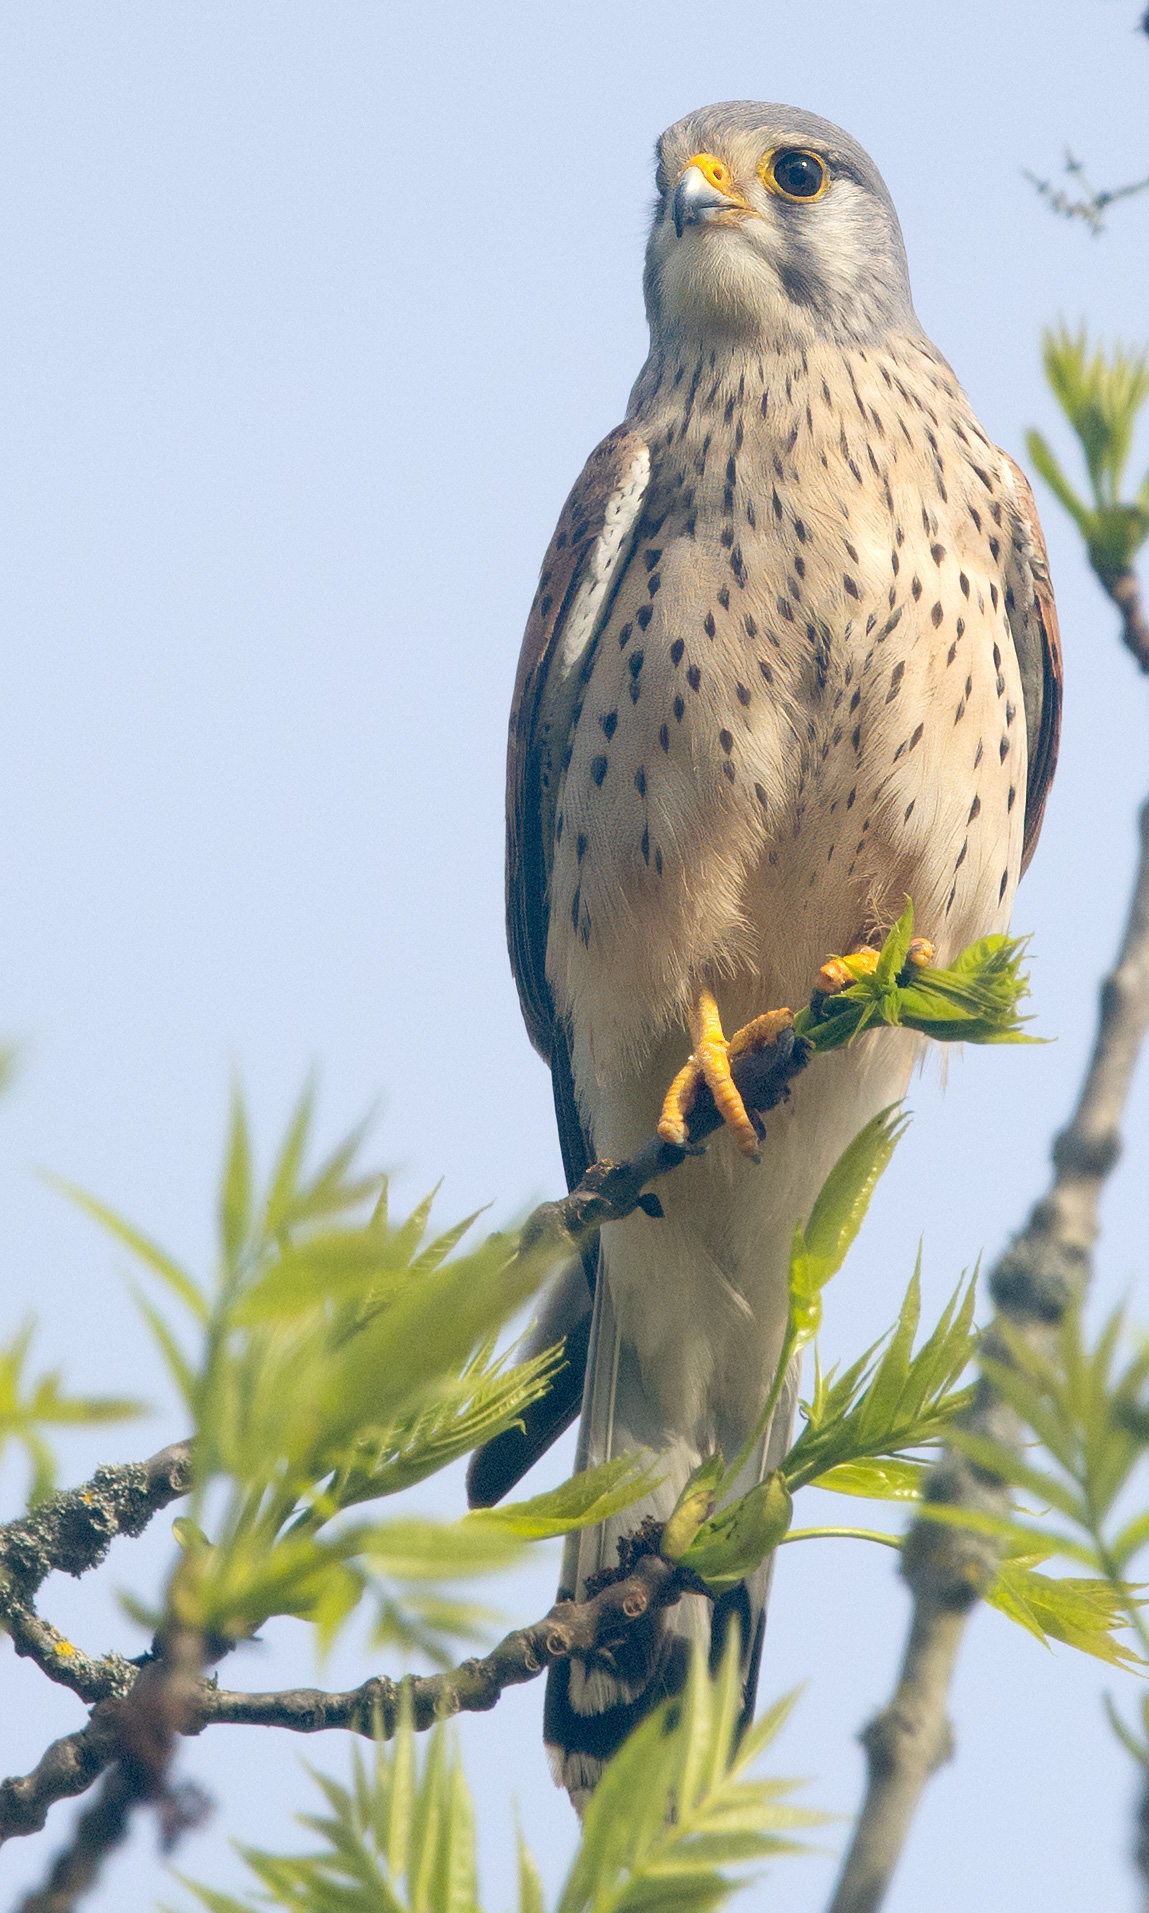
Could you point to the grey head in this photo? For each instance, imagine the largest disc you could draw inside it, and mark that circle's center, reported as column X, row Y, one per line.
column 773, row 225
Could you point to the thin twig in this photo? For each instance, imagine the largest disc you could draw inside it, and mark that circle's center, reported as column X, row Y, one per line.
column 1043, row 1273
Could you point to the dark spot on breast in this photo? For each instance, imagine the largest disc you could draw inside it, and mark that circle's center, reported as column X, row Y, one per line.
column 777, row 504
column 654, row 583
column 575, row 902
column 676, row 650
column 937, row 553
column 598, row 769
column 658, row 860
column 856, row 736
column 640, row 781
column 978, row 754
column 917, row 737
column 708, row 625
column 964, row 583
column 936, row 616
column 727, row 741
column 851, row 797
column 1003, row 749
column 643, row 615
column 635, row 662
column 652, row 558
column 694, row 677
column 645, row 846
column 750, row 627
column 767, row 673
column 664, row 738
column 609, row 723
column 580, row 845
column 851, row 587
column 916, row 589
column 896, row 676
column 909, row 810
column 760, row 794
column 724, row 597
column 624, row 636
column 742, row 694
column 1002, row 885
column 678, row 707
column 1011, row 799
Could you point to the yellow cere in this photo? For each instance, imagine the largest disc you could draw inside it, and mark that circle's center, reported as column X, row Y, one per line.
column 714, row 171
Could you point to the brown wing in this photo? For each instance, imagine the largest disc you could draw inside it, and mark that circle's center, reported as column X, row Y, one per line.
column 1037, row 640
column 583, row 567
column 587, row 558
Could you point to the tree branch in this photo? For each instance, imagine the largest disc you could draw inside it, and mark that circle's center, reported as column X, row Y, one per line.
column 1042, row 1273
column 70, row 1533
column 137, row 1729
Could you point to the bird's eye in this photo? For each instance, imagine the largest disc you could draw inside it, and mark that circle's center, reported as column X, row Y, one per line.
column 794, row 173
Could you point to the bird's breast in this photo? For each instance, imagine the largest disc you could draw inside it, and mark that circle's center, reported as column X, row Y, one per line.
column 798, row 704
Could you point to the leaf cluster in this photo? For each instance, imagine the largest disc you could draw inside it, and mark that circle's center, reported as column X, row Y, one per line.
column 674, row 1823
column 337, row 1358
column 1087, row 1410
column 976, row 999
column 1101, row 395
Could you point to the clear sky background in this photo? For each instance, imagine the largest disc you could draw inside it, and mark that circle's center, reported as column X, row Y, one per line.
column 309, row 316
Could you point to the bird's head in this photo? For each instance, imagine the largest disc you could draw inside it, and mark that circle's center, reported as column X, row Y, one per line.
column 773, row 225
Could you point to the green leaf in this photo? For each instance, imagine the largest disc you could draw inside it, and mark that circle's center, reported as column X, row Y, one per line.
column 28, row 1406
column 695, row 1505
column 820, row 1249
column 413, row 1549
column 582, row 1502
column 235, row 1197
column 1085, row 1614
column 169, row 1272
column 883, row 1480
column 531, row 1898
column 738, row 1538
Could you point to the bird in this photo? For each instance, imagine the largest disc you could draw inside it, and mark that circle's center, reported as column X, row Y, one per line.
column 793, row 658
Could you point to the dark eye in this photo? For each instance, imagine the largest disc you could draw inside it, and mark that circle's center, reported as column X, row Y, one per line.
column 796, row 174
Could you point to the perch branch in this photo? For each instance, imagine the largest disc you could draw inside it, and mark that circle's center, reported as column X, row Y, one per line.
column 1040, row 1275
column 137, row 1729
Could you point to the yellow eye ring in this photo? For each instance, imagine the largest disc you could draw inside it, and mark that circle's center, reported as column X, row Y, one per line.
column 795, row 173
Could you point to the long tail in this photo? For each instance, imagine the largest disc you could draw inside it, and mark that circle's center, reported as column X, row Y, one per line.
column 591, row 1707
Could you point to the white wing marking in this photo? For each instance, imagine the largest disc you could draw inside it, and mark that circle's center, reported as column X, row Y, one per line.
column 590, row 598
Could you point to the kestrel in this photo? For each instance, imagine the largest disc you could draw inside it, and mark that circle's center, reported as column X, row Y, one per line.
column 793, row 658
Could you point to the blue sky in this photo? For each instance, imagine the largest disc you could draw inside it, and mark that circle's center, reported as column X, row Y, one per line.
column 310, row 315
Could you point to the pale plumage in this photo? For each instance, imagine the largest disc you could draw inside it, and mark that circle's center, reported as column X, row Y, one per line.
column 792, row 658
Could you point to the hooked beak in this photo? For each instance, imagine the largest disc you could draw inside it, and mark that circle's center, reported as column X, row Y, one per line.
column 697, row 199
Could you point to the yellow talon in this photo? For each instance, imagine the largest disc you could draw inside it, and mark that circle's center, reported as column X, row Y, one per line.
column 710, row 1064
column 921, row 953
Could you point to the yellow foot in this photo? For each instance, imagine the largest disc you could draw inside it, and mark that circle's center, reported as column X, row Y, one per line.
column 710, row 1064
